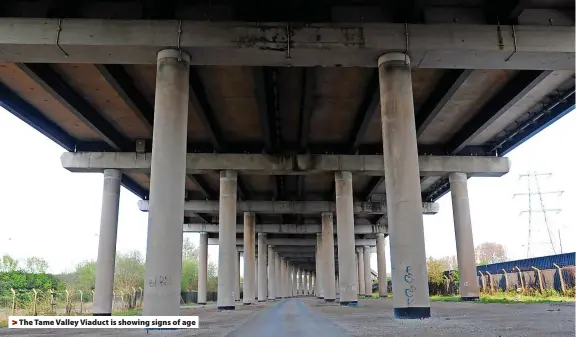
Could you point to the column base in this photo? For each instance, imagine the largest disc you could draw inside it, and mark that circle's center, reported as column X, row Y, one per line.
column 203, row 303
column 271, row 298
column 349, row 303
column 320, row 298
column 412, row 313
column 261, row 300
column 471, row 298
column 226, row 307
column 102, row 314
column 329, row 299
column 246, row 303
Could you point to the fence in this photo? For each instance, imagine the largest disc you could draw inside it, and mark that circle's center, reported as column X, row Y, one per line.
column 192, row 296
column 67, row 302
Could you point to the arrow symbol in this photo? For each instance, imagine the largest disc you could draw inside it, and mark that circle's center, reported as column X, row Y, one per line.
column 14, row 322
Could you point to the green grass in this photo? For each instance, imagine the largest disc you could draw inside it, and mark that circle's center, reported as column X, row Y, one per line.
column 3, row 323
column 506, row 298
column 131, row 312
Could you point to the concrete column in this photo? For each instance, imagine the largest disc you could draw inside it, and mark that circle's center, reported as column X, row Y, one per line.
column 381, row 257
column 227, row 254
column 361, row 273
column 307, row 283
column 346, row 239
column 203, row 268
column 407, row 249
column 168, row 174
column 367, row 272
column 271, row 272
column 278, row 274
column 319, row 266
column 249, row 258
column 238, row 291
column 107, row 244
column 329, row 270
column 255, row 278
column 262, row 277
column 294, row 281
column 337, row 286
column 469, row 289
column 313, row 284
column 283, row 277
column 300, row 289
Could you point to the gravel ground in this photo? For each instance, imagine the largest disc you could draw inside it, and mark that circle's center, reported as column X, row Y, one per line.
column 374, row 317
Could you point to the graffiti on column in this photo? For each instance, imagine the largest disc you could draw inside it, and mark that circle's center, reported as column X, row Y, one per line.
column 409, row 292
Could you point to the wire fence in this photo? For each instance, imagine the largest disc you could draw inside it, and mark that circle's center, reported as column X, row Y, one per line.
column 67, row 302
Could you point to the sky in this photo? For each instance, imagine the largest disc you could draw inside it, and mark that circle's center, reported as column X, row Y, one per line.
column 48, row 212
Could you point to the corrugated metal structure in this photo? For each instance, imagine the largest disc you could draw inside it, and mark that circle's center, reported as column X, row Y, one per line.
column 543, row 262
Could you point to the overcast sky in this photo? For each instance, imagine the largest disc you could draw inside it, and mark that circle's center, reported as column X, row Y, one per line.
column 48, row 212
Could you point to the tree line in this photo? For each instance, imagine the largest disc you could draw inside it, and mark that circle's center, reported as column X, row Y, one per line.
column 129, row 273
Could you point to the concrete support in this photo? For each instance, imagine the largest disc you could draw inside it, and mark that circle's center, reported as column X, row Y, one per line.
column 319, row 266
column 271, row 273
column 283, row 277
column 469, row 289
column 361, row 273
column 255, row 283
column 227, row 253
column 300, row 283
column 313, row 284
column 291, row 279
column 249, row 258
column 407, row 249
column 367, row 272
column 203, row 268
column 337, row 286
column 278, row 274
column 104, row 287
column 168, row 174
column 262, row 277
column 345, row 227
column 294, row 281
column 329, row 271
column 381, row 257
column 238, row 291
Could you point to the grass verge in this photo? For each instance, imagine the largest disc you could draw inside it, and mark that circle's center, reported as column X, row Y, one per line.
column 506, row 298
column 131, row 312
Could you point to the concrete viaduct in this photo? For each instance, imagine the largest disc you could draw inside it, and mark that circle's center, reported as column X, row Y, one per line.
column 300, row 135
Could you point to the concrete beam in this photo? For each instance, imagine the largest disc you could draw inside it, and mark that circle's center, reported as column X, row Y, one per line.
column 201, row 163
column 102, row 41
column 290, row 207
column 295, row 242
column 284, row 228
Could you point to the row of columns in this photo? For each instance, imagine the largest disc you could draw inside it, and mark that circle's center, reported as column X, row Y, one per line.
column 164, row 254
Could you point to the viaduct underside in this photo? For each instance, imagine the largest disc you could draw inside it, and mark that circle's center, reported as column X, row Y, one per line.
column 298, row 136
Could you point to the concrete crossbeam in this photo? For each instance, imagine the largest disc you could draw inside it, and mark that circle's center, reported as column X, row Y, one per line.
column 284, row 228
column 201, row 163
column 290, row 207
column 102, row 41
column 295, row 242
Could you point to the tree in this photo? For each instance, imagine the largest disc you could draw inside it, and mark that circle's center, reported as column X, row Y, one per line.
column 436, row 268
column 36, row 265
column 8, row 264
column 490, row 252
column 85, row 275
column 129, row 271
column 450, row 262
column 189, row 250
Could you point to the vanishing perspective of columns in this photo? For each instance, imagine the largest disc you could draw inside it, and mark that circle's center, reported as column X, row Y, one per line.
column 361, row 273
column 238, row 291
column 167, row 184
column 271, row 273
column 319, row 266
column 227, row 253
column 262, row 277
column 329, row 271
column 278, row 276
column 104, row 285
column 469, row 289
column 283, row 292
column 346, row 238
column 202, row 268
column 249, row 258
column 403, row 194
column 381, row 258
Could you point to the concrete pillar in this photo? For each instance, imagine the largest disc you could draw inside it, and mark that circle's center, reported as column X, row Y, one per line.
column 283, row 277
column 329, row 270
column 346, row 239
column 319, row 266
column 203, row 268
column 337, row 287
column 361, row 273
column 300, row 289
column 271, row 273
column 307, row 283
column 313, row 284
column 367, row 272
column 294, row 281
column 255, row 278
column 227, row 254
column 262, row 277
column 381, row 257
column 249, row 258
column 238, row 291
column 469, row 289
column 407, row 249
column 167, row 180
column 104, row 287
column 278, row 274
